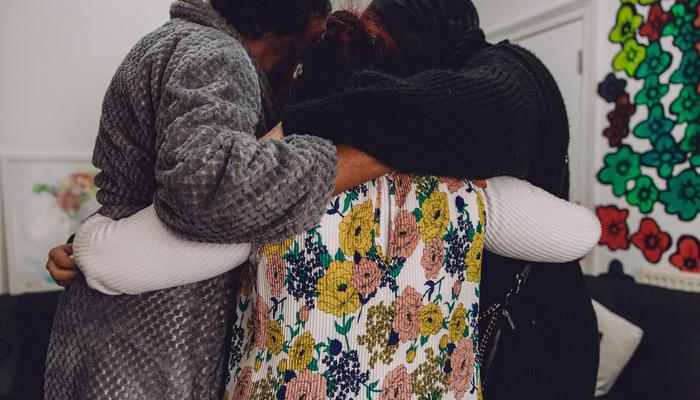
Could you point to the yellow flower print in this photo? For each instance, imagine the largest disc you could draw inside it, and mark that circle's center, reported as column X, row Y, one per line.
column 282, row 366
column 430, row 319
column 302, row 352
column 444, row 342
column 356, row 230
column 482, row 208
column 410, row 355
column 473, row 258
column 258, row 364
column 458, row 323
column 436, row 216
column 276, row 249
column 275, row 337
column 337, row 296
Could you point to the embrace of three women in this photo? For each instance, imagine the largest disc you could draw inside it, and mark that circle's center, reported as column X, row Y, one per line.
column 336, row 254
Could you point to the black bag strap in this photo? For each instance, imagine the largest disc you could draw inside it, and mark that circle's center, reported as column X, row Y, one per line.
column 498, row 316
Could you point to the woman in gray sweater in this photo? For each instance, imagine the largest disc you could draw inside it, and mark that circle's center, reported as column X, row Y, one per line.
column 178, row 130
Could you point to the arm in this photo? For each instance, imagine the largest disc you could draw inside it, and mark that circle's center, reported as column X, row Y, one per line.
column 139, row 254
column 216, row 182
column 490, row 109
column 354, row 166
column 526, row 223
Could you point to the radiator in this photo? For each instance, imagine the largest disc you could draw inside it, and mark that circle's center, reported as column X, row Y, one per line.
column 670, row 279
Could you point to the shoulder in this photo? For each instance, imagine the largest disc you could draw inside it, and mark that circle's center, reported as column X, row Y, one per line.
column 201, row 47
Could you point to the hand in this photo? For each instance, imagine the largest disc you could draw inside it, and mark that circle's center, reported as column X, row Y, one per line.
column 61, row 265
column 277, row 133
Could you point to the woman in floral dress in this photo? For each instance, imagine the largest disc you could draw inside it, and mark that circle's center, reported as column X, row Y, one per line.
column 380, row 299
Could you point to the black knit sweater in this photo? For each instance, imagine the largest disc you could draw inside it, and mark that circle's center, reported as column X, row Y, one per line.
column 504, row 110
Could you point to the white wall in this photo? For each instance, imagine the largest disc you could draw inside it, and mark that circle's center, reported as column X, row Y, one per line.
column 56, row 60
column 497, row 14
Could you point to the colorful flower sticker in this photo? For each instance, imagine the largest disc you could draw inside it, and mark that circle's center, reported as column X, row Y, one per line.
column 620, row 168
column 651, row 240
column 629, row 58
column 687, row 105
column 687, row 37
column 656, row 21
column 615, row 229
column 687, row 257
column 656, row 124
column 689, row 71
column 665, row 156
column 628, row 21
column 656, row 61
column 618, row 130
column 691, row 143
column 619, row 120
column 644, row 195
column 682, row 197
column 611, row 88
column 652, row 92
column 680, row 16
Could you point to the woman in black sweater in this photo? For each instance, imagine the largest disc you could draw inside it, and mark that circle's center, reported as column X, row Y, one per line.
column 502, row 103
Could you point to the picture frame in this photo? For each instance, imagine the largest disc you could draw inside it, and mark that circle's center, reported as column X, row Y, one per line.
column 45, row 197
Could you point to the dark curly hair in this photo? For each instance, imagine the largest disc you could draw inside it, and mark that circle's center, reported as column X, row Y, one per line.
column 278, row 17
column 348, row 44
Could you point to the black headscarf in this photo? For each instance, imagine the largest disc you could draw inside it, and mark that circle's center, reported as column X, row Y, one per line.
column 430, row 34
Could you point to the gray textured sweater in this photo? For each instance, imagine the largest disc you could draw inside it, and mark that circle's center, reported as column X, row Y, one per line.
column 178, row 129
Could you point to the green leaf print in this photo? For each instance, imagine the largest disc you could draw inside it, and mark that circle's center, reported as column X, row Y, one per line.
column 418, row 214
column 339, row 256
column 423, row 340
column 326, row 260
column 313, row 365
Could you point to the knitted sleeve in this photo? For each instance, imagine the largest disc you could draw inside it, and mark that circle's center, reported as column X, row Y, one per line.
column 139, row 253
column 423, row 124
column 216, row 182
column 526, row 223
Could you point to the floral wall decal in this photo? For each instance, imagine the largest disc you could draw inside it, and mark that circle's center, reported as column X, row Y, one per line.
column 651, row 162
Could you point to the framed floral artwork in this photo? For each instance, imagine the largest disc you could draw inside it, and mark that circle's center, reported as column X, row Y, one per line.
column 45, row 198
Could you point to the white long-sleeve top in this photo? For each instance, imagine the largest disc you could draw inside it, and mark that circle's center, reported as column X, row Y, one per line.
column 140, row 253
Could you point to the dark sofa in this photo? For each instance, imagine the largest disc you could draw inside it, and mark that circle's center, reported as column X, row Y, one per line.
column 666, row 365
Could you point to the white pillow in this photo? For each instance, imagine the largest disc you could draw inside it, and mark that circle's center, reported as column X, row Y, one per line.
column 620, row 338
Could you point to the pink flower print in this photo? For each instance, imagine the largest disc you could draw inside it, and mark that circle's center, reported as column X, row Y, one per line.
column 275, row 274
column 397, row 385
column 433, row 257
column 457, row 289
column 304, row 313
column 306, row 385
column 366, row 276
column 462, row 362
column 407, row 322
column 402, row 186
column 380, row 189
column 244, row 385
column 261, row 322
column 404, row 236
column 453, row 184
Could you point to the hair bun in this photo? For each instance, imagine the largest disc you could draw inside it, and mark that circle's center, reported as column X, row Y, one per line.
column 349, row 43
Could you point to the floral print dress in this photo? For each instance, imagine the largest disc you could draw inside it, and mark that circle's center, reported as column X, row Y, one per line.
column 378, row 301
